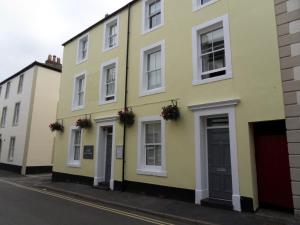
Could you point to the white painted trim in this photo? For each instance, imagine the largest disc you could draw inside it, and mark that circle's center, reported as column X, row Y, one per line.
column 99, row 125
column 101, row 84
column 143, row 91
column 78, row 61
column 202, row 184
column 142, row 169
column 107, row 24
column 144, row 23
column 71, row 162
column 209, row 105
column 106, row 119
column 196, row 49
column 75, row 107
column 197, row 6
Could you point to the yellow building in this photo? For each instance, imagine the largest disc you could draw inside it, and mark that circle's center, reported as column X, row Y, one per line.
column 217, row 60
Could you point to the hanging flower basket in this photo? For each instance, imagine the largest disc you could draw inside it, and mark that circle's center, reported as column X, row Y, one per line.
column 84, row 123
column 171, row 112
column 56, row 127
column 126, row 117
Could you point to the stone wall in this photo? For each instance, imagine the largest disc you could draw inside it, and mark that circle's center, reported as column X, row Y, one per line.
column 288, row 24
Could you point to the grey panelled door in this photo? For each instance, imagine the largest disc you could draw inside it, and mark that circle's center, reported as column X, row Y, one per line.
column 219, row 163
column 108, row 154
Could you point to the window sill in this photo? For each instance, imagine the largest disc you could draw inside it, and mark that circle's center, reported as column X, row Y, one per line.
column 77, row 108
column 106, row 49
column 214, row 79
column 152, row 172
column 81, row 61
column 146, row 31
column 196, row 8
column 107, row 102
column 73, row 164
column 152, row 92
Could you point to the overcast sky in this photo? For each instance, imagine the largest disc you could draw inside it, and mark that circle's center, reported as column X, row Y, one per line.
column 32, row 29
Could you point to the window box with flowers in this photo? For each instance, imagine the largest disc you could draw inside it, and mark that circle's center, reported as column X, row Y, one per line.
column 56, row 127
column 171, row 112
column 84, row 123
column 126, row 117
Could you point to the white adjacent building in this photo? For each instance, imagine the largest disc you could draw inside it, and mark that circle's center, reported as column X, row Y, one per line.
column 28, row 103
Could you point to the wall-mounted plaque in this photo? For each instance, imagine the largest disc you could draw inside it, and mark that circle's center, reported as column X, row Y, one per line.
column 88, row 152
column 119, row 152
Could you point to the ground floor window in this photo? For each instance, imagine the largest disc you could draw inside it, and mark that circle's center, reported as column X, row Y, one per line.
column 11, row 149
column 75, row 147
column 151, row 152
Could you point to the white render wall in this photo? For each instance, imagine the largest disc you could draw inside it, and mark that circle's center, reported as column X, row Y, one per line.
column 19, row 131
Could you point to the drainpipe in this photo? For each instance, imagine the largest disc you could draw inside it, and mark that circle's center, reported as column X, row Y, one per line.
column 125, row 102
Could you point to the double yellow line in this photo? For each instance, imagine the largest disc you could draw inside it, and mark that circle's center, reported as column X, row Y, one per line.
column 85, row 203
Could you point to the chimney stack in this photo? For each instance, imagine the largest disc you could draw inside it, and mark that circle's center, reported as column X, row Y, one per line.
column 54, row 61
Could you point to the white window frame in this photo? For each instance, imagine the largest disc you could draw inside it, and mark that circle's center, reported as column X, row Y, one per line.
column 7, row 90
column 78, row 58
column 196, row 45
column 11, row 149
column 143, row 67
column 107, row 26
column 74, row 97
column 71, row 162
column 102, row 79
column 145, row 21
column 142, row 168
column 198, row 5
column 3, row 117
column 16, row 116
column 20, row 84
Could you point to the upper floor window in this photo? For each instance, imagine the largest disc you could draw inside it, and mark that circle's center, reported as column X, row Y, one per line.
column 3, row 117
column 79, row 92
column 75, row 147
column 153, row 11
column 152, row 74
column 111, row 33
column 7, row 89
column 16, row 114
column 82, row 51
column 211, row 51
column 197, row 4
column 11, row 149
column 108, row 82
column 20, row 85
column 0, row 90
column 151, row 153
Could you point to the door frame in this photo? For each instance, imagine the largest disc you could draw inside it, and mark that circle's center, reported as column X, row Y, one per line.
column 201, row 112
column 101, row 123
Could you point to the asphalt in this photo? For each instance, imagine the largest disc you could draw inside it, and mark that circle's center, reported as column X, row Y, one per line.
column 182, row 212
column 22, row 206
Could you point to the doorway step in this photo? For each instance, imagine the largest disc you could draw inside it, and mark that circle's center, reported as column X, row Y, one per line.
column 103, row 186
column 216, row 203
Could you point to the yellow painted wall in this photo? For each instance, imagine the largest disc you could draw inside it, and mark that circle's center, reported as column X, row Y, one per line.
column 41, row 140
column 256, row 82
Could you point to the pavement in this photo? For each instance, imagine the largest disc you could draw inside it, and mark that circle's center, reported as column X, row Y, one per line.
column 183, row 212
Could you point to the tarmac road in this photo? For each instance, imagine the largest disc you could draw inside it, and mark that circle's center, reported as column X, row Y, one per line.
column 21, row 205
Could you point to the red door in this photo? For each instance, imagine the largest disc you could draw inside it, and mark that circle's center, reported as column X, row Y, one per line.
column 273, row 172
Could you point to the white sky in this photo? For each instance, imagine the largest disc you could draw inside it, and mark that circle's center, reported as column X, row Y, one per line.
column 32, row 29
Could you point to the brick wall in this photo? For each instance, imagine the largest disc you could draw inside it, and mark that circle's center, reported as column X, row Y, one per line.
column 288, row 26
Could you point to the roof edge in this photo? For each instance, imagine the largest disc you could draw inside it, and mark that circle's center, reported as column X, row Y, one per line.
column 100, row 22
column 35, row 63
